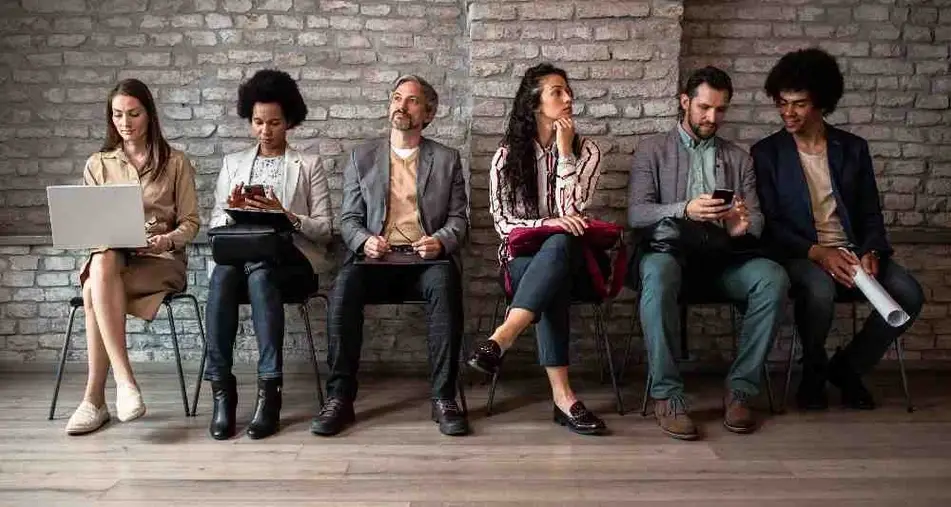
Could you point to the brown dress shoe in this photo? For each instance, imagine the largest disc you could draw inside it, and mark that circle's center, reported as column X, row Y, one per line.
column 672, row 417
column 737, row 414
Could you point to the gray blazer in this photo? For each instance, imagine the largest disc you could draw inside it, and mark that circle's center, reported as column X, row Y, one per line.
column 440, row 195
column 658, row 182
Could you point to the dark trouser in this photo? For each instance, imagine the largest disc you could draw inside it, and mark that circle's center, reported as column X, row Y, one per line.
column 357, row 285
column 814, row 294
column 545, row 284
column 266, row 287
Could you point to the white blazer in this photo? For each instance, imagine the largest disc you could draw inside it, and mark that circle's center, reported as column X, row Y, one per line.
column 305, row 193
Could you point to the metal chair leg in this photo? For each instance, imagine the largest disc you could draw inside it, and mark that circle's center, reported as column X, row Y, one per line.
column 62, row 361
column 204, row 352
column 178, row 356
column 606, row 342
column 899, row 350
column 313, row 353
column 647, row 393
column 461, row 376
column 495, row 378
column 488, row 403
column 790, row 359
column 769, row 388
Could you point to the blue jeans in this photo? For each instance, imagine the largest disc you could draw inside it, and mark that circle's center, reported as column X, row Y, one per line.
column 814, row 292
column 266, row 287
column 759, row 285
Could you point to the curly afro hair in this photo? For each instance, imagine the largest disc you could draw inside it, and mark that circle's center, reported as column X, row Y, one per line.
column 272, row 86
column 810, row 70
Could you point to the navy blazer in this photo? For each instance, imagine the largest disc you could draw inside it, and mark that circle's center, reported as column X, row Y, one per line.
column 784, row 194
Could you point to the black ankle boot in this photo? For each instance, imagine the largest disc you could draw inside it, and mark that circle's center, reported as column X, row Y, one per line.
column 225, row 401
column 267, row 409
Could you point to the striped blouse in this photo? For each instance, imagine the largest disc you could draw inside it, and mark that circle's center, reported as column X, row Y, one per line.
column 566, row 185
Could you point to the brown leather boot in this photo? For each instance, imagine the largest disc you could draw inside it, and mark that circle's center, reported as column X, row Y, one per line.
column 672, row 417
column 737, row 414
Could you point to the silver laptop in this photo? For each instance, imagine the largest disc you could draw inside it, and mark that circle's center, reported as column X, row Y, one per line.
column 97, row 216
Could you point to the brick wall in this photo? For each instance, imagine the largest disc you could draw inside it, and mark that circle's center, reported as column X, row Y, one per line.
column 58, row 58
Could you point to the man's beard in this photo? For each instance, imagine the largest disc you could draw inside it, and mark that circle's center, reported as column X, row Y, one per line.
column 404, row 123
column 695, row 128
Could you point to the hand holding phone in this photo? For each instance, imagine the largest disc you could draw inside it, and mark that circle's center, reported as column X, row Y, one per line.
column 724, row 194
column 254, row 191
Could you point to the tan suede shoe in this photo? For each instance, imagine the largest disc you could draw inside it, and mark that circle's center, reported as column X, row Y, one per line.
column 673, row 419
column 737, row 414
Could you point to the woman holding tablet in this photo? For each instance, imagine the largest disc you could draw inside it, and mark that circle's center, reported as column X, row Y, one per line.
column 268, row 176
column 134, row 281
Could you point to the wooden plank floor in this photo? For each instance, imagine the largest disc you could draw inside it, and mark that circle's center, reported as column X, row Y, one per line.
column 394, row 456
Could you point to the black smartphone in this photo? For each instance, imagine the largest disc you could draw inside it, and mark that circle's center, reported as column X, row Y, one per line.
column 254, row 190
column 725, row 194
column 405, row 249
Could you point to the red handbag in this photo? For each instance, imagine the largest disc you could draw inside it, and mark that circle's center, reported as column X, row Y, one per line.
column 599, row 236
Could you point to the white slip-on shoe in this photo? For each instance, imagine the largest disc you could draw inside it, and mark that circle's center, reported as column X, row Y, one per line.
column 129, row 404
column 87, row 419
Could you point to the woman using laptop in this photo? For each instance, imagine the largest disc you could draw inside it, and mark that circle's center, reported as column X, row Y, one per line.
column 543, row 174
column 120, row 281
column 268, row 176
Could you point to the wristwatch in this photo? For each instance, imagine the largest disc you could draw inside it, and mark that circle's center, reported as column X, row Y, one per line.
column 874, row 253
column 298, row 223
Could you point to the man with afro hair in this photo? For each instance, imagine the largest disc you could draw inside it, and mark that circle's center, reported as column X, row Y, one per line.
column 824, row 221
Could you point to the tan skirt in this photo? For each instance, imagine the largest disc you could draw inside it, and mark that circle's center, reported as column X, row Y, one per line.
column 147, row 280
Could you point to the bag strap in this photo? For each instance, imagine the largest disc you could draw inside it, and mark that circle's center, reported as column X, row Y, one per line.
column 611, row 288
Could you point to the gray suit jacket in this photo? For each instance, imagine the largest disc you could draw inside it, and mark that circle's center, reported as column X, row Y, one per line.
column 658, row 182
column 440, row 195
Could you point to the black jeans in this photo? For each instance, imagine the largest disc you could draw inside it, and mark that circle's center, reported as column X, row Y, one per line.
column 266, row 287
column 814, row 293
column 358, row 285
column 546, row 284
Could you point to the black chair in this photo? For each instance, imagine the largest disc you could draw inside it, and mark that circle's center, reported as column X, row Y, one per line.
column 301, row 302
column 695, row 297
column 77, row 302
column 852, row 298
column 602, row 342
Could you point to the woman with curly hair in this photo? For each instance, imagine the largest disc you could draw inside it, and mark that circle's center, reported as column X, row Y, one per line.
column 134, row 281
column 544, row 174
column 293, row 183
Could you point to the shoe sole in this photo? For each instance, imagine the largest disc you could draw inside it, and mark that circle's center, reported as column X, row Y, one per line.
column 590, row 433
column 742, row 430
column 478, row 367
column 74, row 433
column 680, row 436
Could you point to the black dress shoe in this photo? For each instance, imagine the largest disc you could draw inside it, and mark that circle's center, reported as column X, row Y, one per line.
column 580, row 420
column 452, row 421
column 487, row 357
column 849, row 382
column 812, row 394
column 224, row 396
column 334, row 416
column 267, row 409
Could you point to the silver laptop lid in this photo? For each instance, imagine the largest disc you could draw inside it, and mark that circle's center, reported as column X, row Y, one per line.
column 93, row 216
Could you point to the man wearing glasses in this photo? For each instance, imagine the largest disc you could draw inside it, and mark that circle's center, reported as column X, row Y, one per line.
column 404, row 218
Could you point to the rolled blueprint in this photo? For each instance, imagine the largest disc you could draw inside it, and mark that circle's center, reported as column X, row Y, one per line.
column 879, row 298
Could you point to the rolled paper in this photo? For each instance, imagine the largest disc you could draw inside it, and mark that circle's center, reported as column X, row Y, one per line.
column 883, row 302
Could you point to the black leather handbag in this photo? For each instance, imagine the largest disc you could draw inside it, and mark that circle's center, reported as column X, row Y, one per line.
column 686, row 238
column 239, row 244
